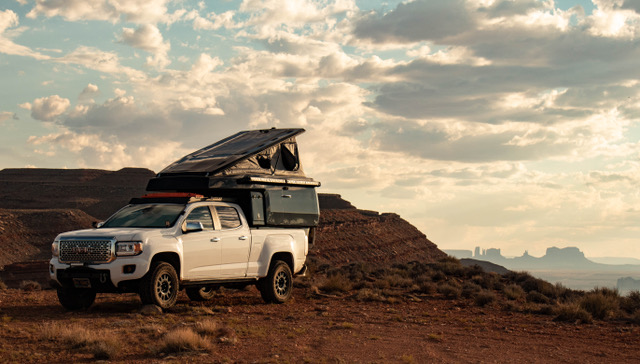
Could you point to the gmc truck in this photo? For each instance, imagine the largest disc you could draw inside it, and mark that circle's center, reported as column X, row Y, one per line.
column 156, row 245
column 237, row 212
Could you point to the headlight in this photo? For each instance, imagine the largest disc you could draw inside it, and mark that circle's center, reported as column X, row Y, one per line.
column 55, row 248
column 124, row 248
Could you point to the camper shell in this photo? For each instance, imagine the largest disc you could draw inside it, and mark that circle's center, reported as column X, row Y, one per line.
column 260, row 170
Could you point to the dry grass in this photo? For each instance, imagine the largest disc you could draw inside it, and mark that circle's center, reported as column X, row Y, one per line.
column 182, row 340
column 3, row 286
column 207, row 327
column 572, row 313
column 484, row 298
column 102, row 344
column 30, row 286
column 513, row 292
column 336, row 283
column 449, row 291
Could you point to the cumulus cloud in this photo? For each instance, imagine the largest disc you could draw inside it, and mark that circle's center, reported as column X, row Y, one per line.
column 107, row 62
column 212, row 21
column 9, row 19
column 90, row 90
column 137, row 11
column 416, row 21
column 5, row 115
column 48, row 108
column 148, row 37
column 108, row 153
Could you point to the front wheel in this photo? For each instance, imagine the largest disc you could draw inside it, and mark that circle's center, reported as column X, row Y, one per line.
column 160, row 286
column 74, row 299
column 276, row 287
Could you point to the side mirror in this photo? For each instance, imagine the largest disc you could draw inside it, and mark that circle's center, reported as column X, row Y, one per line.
column 193, row 226
column 97, row 225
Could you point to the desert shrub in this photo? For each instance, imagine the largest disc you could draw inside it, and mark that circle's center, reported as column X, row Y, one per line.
column 539, row 285
column 381, row 283
column 30, row 286
column 469, row 289
column 517, row 277
column 396, row 280
column 631, row 302
column 427, row 287
column 369, row 295
column 212, row 328
column 207, row 327
column 182, row 340
column 489, row 281
column 336, row 283
column 474, row 271
column 438, row 276
column 513, row 292
column 601, row 303
column 484, row 298
column 537, row 297
column 546, row 309
column 572, row 313
column 511, row 306
column 418, row 269
column 103, row 350
column 635, row 317
column 449, row 291
column 450, row 266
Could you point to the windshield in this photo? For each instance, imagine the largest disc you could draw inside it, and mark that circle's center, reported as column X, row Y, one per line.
column 145, row 216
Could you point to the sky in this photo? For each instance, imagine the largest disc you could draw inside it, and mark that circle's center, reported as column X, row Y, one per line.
column 512, row 124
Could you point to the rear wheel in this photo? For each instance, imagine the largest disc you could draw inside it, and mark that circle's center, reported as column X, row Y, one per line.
column 74, row 299
column 201, row 293
column 277, row 286
column 160, row 285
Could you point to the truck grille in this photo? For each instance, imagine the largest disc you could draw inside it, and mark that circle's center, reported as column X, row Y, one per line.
column 86, row 250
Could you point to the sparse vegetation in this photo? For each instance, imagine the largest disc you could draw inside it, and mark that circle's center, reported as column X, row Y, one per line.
column 182, row 340
column 449, row 291
column 572, row 313
column 484, row 298
column 102, row 345
column 513, row 292
column 450, row 279
column 30, row 286
column 336, row 283
column 601, row 303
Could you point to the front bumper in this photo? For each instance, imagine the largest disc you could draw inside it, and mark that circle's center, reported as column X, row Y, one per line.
column 114, row 276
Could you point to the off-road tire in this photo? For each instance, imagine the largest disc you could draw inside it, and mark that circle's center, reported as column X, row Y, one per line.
column 201, row 293
column 160, row 286
column 277, row 286
column 74, row 299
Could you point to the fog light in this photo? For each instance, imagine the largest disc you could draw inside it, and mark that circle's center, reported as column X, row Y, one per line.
column 128, row 269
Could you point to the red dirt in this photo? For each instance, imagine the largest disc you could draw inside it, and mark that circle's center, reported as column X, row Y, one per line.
column 315, row 329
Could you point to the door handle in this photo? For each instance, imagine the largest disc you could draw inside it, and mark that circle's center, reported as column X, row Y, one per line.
column 243, row 237
column 286, row 196
column 215, row 240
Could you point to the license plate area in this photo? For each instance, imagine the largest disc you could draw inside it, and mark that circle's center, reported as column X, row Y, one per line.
column 82, row 282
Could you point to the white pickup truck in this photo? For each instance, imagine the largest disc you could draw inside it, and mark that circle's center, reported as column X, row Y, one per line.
column 157, row 246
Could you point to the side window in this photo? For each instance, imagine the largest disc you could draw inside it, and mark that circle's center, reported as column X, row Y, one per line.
column 201, row 214
column 228, row 216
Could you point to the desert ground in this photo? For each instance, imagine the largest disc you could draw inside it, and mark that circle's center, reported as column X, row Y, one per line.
column 237, row 327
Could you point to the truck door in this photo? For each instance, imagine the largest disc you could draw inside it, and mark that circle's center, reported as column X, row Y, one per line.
column 235, row 242
column 201, row 249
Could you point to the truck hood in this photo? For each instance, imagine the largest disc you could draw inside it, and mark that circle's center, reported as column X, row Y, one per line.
column 121, row 234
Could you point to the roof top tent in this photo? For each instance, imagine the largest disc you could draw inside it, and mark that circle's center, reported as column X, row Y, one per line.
column 258, row 169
